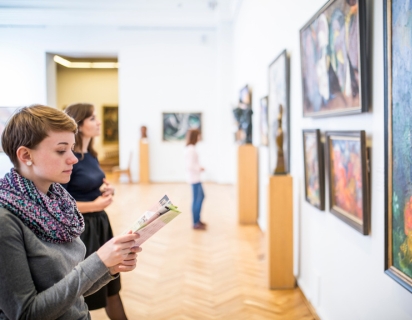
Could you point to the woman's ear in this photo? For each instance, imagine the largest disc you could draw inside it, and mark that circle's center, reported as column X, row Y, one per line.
column 24, row 155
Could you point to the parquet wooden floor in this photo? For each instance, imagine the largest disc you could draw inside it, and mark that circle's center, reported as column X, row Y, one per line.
column 189, row 274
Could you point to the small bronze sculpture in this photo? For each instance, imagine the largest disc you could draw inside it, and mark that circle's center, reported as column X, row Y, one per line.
column 280, row 164
column 143, row 132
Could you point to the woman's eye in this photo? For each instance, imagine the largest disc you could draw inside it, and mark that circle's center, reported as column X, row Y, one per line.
column 61, row 151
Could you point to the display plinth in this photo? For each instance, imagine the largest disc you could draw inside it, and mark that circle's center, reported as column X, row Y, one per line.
column 247, row 184
column 280, row 232
column 144, row 162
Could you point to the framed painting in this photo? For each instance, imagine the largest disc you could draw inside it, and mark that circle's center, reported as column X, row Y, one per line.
column 5, row 114
column 264, row 123
column 314, row 169
column 110, row 124
column 175, row 125
column 348, row 178
column 334, row 60
column 398, row 143
column 279, row 115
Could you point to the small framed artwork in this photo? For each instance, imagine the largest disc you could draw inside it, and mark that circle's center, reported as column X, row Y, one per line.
column 348, row 178
column 278, row 110
column 334, row 60
column 5, row 114
column 398, row 143
column 314, row 169
column 264, row 123
column 110, row 124
column 175, row 125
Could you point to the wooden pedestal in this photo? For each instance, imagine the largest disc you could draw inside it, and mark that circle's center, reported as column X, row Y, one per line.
column 144, row 161
column 247, row 184
column 280, row 232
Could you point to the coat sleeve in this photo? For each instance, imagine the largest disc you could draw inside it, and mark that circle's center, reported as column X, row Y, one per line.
column 19, row 298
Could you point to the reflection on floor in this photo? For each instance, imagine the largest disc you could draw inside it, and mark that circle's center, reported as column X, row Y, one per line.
column 191, row 274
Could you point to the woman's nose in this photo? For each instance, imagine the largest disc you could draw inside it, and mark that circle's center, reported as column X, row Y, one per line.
column 73, row 159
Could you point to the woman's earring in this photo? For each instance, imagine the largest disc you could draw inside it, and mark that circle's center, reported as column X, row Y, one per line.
column 29, row 163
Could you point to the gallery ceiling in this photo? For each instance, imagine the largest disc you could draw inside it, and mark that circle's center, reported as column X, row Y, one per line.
column 118, row 13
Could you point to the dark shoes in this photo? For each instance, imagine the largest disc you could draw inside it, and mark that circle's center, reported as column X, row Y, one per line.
column 200, row 226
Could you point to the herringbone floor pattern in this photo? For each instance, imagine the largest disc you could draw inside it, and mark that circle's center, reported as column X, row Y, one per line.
column 188, row 274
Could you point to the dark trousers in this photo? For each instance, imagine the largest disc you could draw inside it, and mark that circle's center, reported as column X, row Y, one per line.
column 198, row 196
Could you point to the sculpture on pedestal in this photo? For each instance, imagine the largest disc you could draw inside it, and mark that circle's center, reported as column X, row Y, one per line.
column 243, row 115
column 280, row 164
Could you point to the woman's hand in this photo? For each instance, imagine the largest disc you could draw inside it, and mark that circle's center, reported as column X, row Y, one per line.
column 120, row 252
column 107, row 189
column 100, row 203
column 128, row 264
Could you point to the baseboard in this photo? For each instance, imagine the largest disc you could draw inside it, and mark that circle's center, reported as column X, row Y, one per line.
column 309, row 305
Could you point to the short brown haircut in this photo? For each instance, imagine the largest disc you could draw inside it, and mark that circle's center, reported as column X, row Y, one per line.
column 192, row 136
column 79, row 112
column 31, row 125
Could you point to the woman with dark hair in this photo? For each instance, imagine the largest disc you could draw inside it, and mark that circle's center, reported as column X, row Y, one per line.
column 194, row 169
column 93, row 193
column 43, row 272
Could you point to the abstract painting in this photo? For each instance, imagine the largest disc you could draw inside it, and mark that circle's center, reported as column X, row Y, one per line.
column 110, row 124
column 348, row 178
column 5, row 114
column 175, row 125
column 314, row 169
column 398, row 141
column 278, row 111
column 264, row 123
column 334, row 60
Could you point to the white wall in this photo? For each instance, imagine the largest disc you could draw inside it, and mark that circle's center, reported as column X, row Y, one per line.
column 161, row 70
column 340, row 271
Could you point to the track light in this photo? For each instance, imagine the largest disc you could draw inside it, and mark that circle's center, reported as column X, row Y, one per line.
column 85, row 65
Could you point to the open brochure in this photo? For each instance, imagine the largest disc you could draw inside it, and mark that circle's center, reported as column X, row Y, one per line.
column 154, row 219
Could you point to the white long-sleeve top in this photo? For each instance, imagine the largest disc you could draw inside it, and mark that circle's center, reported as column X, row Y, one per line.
column 193, row 168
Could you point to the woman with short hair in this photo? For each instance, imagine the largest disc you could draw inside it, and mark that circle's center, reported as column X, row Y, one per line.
column 43, row 273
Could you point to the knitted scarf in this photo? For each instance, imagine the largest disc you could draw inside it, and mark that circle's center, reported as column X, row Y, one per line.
column 53, row 217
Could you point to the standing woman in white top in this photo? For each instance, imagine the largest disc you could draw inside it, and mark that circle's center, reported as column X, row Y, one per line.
column 193, row 174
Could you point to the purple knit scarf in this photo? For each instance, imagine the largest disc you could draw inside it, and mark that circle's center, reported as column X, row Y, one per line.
column 53, row 217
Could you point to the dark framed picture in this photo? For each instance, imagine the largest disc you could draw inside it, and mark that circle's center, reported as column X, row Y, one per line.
column 176, row 124
column 398, row 144
column 334, row 60
column 5, row 114
column 264, row 122
column 314, row 169
column 348, row 178
column 110, row 124
column 279, row 115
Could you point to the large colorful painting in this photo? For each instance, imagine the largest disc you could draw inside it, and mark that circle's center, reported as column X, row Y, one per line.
column 314, row 169
column 5, row 114
column 279, row 115
column 264, row 122
column 175, row 125
column 334, row 60
column 398, row 142
column 110, row 124
column 348, row 178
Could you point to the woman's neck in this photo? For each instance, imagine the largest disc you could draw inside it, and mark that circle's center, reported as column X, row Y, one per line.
column 85, row 142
